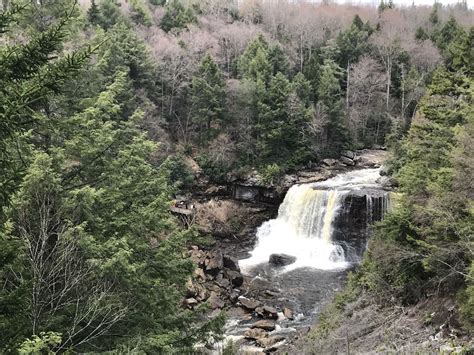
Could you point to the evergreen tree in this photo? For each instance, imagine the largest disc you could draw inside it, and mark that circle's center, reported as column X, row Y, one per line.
column 282, row 119
column 140, row 13
column 208, row 99
column 312, row 72
column 352, row 43
column 93, row 13
column 110, row 13
column 278, row 60
column 302, row 88
column 330, row 95
column 177, row 16
column 447, row 33
column 254, row 64
column 421, row 34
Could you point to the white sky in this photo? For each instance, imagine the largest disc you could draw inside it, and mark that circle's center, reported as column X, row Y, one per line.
column 470, row 3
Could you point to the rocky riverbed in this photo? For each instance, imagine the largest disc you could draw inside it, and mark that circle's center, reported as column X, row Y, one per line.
column 267, row 306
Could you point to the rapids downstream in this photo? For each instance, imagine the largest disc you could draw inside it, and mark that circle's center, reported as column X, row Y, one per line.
column 324, row 226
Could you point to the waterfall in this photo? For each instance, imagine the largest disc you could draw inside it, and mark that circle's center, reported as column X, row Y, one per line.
column 305, row 226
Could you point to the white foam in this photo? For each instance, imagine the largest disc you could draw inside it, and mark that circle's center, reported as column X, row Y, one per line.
column 304, row 225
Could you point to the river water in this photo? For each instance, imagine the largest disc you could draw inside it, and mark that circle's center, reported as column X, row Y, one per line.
column 305, row 228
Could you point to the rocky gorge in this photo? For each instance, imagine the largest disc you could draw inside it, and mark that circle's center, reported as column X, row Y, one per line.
column 268, row 305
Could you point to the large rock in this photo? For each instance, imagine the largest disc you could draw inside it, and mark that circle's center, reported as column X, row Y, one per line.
column 264, row 324
column 201, row 292
column 329, row 162
column 249, row 303
column 191, row 302
column 215, row 301
column 197, row 256
column 387, row 182
column 348, row 154
column 199, row 274
column 215, row 263
column 235, row 278
column 255, row 334
column 267, row 312
column 288, row 313
column 221, row 281
column 347, row 161
column 270, row 341
column 231, row 263
column 281, row 259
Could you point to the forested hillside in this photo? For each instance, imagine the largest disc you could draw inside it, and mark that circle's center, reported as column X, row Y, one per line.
column 104, row 104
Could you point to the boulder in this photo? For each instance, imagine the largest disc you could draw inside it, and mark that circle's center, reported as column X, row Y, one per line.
column 329, row 162
column 231, row 263
column 288, row 313
column 199, row 274
column 191, row 302
column 349, row 154
column 201, row 292
column 281, row 259
column 270, row 312
column 248, row 303
column 215, row 263
column 270, row 341
column 387, row 182
column 264, row 324
column 221, row 281
column 197, row 256
column 235, row 278
column 255, row 334
column 215, row 301
column 234, row 296
column 190, row 289
column 347, row 161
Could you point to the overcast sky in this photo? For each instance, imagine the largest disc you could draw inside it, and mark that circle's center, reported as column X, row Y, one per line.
column 470, row 3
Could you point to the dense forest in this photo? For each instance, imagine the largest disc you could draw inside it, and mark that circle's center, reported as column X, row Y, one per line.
column 103, row 104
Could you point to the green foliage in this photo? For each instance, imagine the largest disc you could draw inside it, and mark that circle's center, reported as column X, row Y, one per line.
column 420, row 34
column 157, row 2
column 177, row 16
column 180, row 175
column 254, row 64
column 29, row 76
column 124, row 49
column 386, row 5
column 352, row 43
column 208, row 99
column 93, row 13
column 425, row 242
column 110, row 13
column 42, row 344
column 270, row 173
column 278, row 60
column 282, row 116
column 330, row 95
column 140, row 13
column 312, row 72
column 88, row 227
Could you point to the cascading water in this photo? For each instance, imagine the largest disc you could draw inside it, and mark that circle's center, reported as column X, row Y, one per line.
column 305, row 226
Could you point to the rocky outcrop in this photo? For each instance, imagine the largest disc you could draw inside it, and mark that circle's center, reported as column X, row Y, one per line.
column 248, row 303
column 359, row 211
column 264, row 324
column 281, row 259
column 217, row 279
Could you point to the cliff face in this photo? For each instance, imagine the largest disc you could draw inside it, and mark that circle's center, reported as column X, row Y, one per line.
column 352, row 224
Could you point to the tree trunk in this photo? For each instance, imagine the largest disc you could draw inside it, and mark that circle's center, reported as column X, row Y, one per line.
column 348, row 84
column 389, row 79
